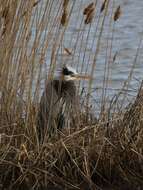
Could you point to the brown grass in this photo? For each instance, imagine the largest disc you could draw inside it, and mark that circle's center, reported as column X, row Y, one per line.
column 100, row 154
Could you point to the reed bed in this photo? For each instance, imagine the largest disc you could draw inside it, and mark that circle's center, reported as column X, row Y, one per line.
column 104, row 152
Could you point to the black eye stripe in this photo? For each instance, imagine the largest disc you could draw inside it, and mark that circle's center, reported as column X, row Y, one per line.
column 66, row 71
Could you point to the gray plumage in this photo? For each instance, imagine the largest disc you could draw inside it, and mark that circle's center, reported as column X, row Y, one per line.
column 59, row 103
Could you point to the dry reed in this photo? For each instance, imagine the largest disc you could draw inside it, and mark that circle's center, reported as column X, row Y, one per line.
column 99, row 154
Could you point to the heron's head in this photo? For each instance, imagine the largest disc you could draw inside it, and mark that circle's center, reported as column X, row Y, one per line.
column 70, row 74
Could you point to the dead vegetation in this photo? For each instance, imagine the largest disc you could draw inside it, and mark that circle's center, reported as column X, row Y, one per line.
column 106, row 154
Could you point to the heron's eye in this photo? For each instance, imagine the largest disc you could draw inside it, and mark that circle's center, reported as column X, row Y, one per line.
column 67, row 72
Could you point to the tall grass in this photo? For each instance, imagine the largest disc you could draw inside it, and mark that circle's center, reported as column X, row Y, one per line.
column 103, row 153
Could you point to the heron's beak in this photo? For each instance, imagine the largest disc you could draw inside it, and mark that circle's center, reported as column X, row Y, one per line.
column 80, row 76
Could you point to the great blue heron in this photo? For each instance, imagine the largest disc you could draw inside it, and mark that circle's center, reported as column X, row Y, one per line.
column 59, row 102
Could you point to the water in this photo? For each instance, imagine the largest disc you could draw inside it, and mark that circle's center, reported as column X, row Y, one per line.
column 128, row 32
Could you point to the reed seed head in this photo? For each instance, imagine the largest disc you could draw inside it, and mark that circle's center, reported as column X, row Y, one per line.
column 36, row 3
column 89, row 17
column 67, row 51
column 117, row 13
column 88, row 8
column 89, row 12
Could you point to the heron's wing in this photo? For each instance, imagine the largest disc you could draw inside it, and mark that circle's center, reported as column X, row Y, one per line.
column 48, row 109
